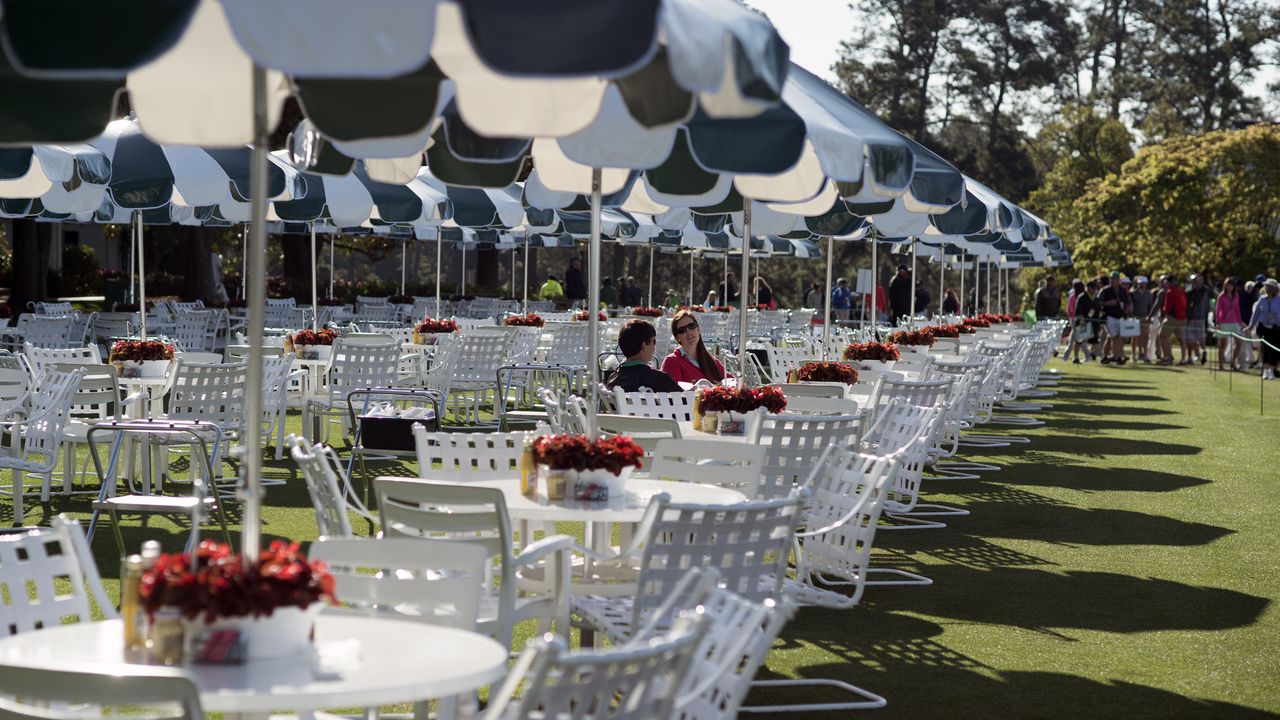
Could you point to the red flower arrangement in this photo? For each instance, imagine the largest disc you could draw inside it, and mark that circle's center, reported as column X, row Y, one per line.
column 827, row 372
column 995, row 318
column 977, row 322
column 743, row 400
column 913, row 337
column 220, row 586
column 692, row 308
column 582, row 315
column 436, row 326
column 400, row 300
column 330, row 302
column 722, row 309
column 879, row 352
column 576, row 452
column 140, row 350
column 315, row 337
column 530, row 320
column 646, row 311
column 762, row 307
column 946, row 331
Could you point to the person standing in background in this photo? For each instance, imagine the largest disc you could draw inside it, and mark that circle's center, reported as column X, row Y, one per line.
column 730, row 293
column 1141, row 298
column 950, row 303
column 1048, row 301
column 1198, row 317
column 575, row 286
column 900, row 294
column 1174, row 313
column 1226, row 318
column 813, row 298
column 841, row 300
column 1266, row 320
column 764, row 294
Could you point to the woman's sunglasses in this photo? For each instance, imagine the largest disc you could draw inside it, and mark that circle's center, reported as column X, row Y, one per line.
column 685, row 328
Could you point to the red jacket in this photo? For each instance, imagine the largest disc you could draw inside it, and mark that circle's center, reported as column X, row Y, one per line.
column 681, row 370
column 1175, row 303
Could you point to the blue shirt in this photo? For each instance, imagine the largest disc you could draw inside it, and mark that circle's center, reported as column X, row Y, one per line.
column 1266, row 312
column 841, row 298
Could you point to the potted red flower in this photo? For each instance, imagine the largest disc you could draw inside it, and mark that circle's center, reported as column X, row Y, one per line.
column 826, row 372
column 141, row 358
column 425, row 332
column 644, row 311
column 529, row 320
column 272, row 602
column 723, row 409
column 977, row 322
column 312, row 344
column 915, row 338
column 872, row 356
column 582, row 316
column 945, row 331
column 583, row 468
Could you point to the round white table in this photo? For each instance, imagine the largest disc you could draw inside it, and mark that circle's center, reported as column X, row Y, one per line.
column 397, row 662
column 626, row 508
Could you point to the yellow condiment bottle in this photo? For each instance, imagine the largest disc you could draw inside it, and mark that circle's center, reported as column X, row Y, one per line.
column 528, row 470
column 135, row 633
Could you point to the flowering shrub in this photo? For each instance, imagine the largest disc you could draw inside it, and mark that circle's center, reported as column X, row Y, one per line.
column 576, row 452
column 220, row 586
column 582, row 315
column 530, row 320
column 742, row 400
column 315, row 337
column 140, row 350
column 879, row 352
column 646, row 311
column 436, row 326
column 827, row 372
column 977, row 322
column 330, row 302
column 722, row 308
column 913, row 337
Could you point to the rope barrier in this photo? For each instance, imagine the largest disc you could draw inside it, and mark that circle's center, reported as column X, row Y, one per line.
column 1258, row 341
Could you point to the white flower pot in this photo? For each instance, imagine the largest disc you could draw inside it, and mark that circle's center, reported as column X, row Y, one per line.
column 286, row 632
column 874, row 365
column 579, row 483
column 313, row 352
column 143, row 368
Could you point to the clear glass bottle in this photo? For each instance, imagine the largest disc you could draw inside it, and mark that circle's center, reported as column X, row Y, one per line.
column 131, row 612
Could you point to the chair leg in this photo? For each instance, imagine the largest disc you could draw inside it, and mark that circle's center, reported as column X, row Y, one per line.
column 115, row 529
column 867, row 700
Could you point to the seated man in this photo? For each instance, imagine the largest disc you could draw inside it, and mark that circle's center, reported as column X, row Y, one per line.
column 637, row 341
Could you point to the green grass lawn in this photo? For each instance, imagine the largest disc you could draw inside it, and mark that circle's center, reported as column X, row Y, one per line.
column 1122, row 564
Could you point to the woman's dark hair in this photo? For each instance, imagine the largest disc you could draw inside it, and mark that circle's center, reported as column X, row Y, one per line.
column 706, row 363
column 634, row 335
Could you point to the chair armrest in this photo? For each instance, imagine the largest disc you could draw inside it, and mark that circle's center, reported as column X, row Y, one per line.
column 132, row 398
column 549, row 545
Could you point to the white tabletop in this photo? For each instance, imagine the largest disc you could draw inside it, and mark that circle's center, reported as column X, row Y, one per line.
column 627, row 508
column 687, row 431
column 398, row 661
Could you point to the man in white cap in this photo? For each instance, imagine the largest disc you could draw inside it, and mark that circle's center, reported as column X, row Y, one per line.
column 1140, row 296
column 1266, row 320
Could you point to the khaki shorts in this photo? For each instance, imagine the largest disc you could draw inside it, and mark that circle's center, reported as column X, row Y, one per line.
column 1174, row 327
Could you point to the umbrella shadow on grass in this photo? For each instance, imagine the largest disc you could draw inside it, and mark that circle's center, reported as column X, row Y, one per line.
column 1085, row 526
column 1095, row 479
column 1077, row 408
column 1092, row 426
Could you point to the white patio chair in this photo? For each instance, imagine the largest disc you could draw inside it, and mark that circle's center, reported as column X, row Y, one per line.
column 565, row 413
column 210, row 393
column 52, row 308
column 467, row 457
column 466, row 370
column 353, row 364
column 636, row 682
column 47, row 588
column 15, row 378
column 35, row 438
column 676, row 406
column 38, row 358
column 49, row 331
column 782, row 360
column 278, row 376
column 190, row 330
column 98, row 397
column 647, row 432
column 731, row 465
column 794, row 443
column 445, row 511
column 748, row 543
column 908, row 432
column 40, row 693
column 332, row 495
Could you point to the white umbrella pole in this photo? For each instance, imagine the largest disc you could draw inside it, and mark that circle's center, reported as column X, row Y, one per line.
column 404, row 252
column 526, row 271
column 962, row 297
column 912, row 322
column 142, row 277
column 942, row 281
column 875, row 286
column 743, row 288
column 826, row 306
column 244, row 260
column 315, row 301
column 513, row 273
column 988, row 305
column 725, row 280
column 593, row 306
column 464, row 268
column 649, row 297
column 439, row 256
column 251, row 537
column 333, row 241
column 691, row 278
column 133, row 256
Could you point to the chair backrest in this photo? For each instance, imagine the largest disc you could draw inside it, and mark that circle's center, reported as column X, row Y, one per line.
column 908, row 432
column 50, row 693
column 676, row 406
column 53, row 308
column 212, row 393
column 199, row 356
column 51, row 331
column 846, row 496
column 427, row 581
column 812, row 389
column 14, row 381
column 32, row 563
column 748, row 543
column 98, row 395
column 569, row 344
column 275, row 381
column 808, row 405
column 354, row 364
column 733, row 465
column 565, row 413
column 913, row 392
column 478, row 356
column 794, row 443
column 191, row 329
column 783, row 360
column 321, row 469
column 49, row 408
column 647, row 432
column 467, row 457
column 633, row 682
column 39, row 357
column 240, row 353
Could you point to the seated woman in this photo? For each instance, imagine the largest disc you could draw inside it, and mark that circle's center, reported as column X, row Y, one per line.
column 690, row 361
column 637, row 341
